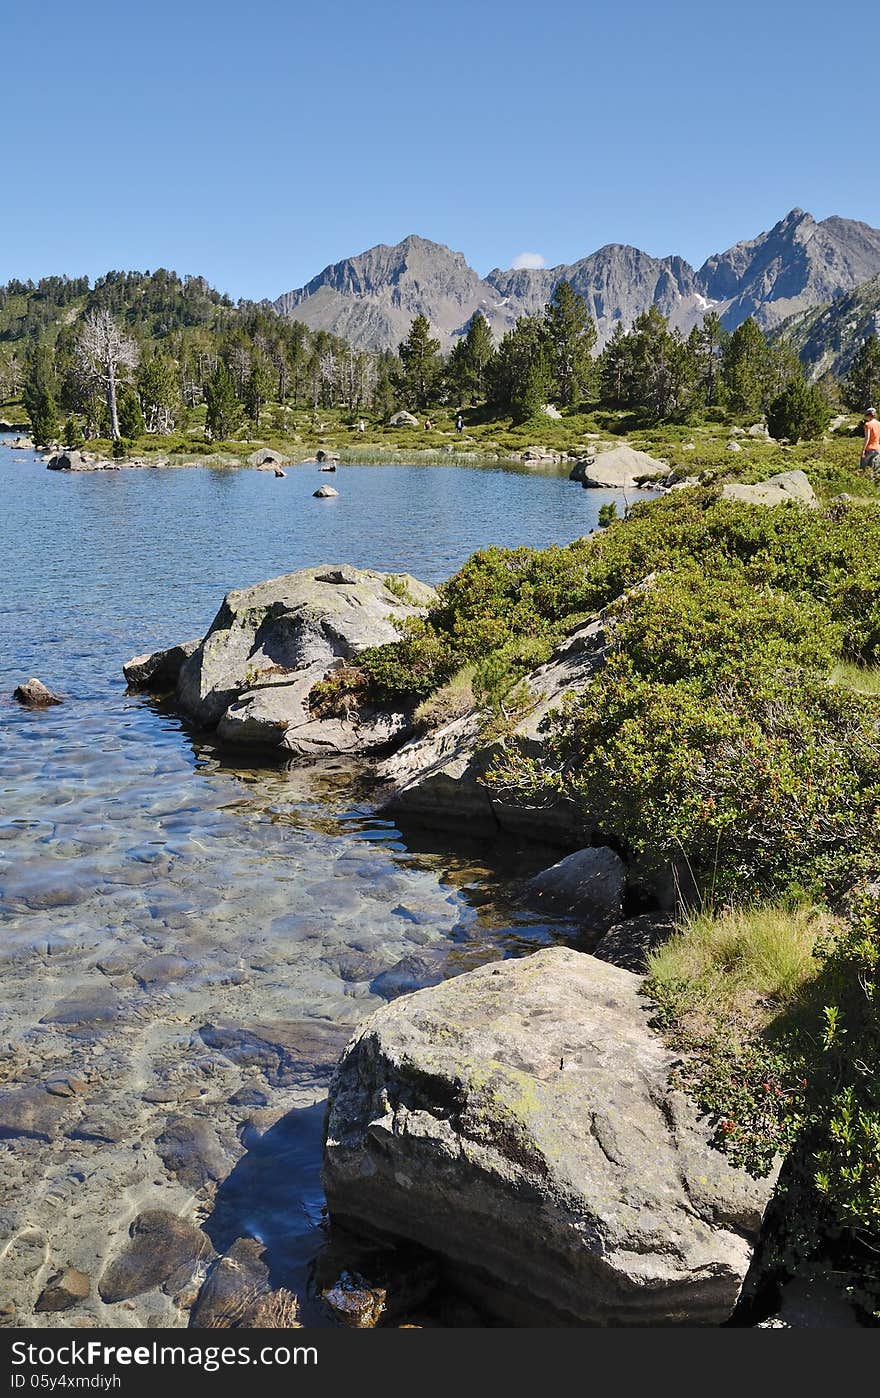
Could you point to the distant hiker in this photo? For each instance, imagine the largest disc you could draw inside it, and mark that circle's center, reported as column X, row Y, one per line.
column 428, row 424
column 362, row 426
column 871, row 450
column 459, row 423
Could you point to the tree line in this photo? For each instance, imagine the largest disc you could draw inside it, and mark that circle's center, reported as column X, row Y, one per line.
column 148, row 347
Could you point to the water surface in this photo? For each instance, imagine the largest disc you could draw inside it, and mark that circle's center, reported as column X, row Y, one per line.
column 187, row 939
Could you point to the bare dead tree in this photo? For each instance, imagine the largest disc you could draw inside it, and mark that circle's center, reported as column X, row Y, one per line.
column 328, row 375
column 105, row 357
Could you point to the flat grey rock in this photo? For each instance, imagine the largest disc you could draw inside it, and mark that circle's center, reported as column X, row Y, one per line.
column 782, row 489
column 518, row 1121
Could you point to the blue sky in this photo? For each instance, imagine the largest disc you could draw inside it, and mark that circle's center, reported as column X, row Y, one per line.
column 255, row 143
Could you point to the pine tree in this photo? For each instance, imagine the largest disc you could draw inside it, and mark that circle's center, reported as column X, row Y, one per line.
column 222, row 403
column 615, row 369
column 861, row 387
column 420, row 365
column 571, row 336
column 258, row 388
column 159, row 392
column 520, row 376
column 706, row 343
column 660, row 369
column 744, row 368
column 131, row 419
column 799, row 413
column 470, row 360
column 39, row 396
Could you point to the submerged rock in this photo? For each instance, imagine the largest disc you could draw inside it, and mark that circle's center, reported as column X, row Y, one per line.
column 35, row 695
column 285, row 1052
column 161, row 1247
column 325, row 492
column 63, row 1290
column 188, row 1148
column 31, row 1112
column 518, row 1121
column 235, row 1286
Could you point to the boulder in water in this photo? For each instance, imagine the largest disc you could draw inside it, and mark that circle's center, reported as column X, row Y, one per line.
column 158, row 671
column 35, row 695
column 518, row 1122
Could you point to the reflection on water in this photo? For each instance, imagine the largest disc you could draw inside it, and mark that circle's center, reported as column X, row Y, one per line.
column 183, row 938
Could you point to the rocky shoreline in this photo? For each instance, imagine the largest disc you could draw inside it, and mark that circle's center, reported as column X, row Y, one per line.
column 515, row 1124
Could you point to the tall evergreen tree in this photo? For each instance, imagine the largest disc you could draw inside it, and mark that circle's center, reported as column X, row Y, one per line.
column 615, row 369
column 660, row 368
column 861, row 387
column 420, row 365
column 520, row 377
column 131, row 419
column 258, row 388
column 159, row 392
column 744, row 368
column 222, row 403
column 39, row 395
column 706, row 343
column 470, row 360
column 571, row 336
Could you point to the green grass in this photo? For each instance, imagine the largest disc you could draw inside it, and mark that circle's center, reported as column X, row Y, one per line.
column 739, row 969
column 860, row 679
column 452, row 700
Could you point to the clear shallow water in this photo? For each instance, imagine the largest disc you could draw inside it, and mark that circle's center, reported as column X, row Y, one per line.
column 157, row 901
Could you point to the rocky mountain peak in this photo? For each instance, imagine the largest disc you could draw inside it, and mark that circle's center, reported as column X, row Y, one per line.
column 799, row 263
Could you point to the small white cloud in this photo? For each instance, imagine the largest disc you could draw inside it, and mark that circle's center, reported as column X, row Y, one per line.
column 530, row 260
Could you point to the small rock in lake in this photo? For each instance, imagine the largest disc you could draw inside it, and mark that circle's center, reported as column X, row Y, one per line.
column 325, row 492
column 35, row 695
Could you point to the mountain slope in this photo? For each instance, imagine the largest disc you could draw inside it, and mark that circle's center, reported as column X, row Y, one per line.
column 617, row 282
column 826, row 338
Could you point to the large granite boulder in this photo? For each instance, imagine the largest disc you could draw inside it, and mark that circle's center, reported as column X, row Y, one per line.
column 518, row 1121
column 265, row 459
column 778, row 490
column 621, row 468
column 437, row 779
column 270, row 644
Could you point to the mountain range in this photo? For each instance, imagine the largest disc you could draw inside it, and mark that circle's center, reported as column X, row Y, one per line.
column 798, row 265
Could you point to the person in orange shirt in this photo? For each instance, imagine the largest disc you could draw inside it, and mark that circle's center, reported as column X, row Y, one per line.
column 871, row 449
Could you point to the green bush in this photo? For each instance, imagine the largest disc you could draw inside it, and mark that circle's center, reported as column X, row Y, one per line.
column 848, row 1158
column 799, row 413
column 712, row 736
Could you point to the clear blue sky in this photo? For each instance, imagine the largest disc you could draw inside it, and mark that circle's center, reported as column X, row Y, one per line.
column 257, row 142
